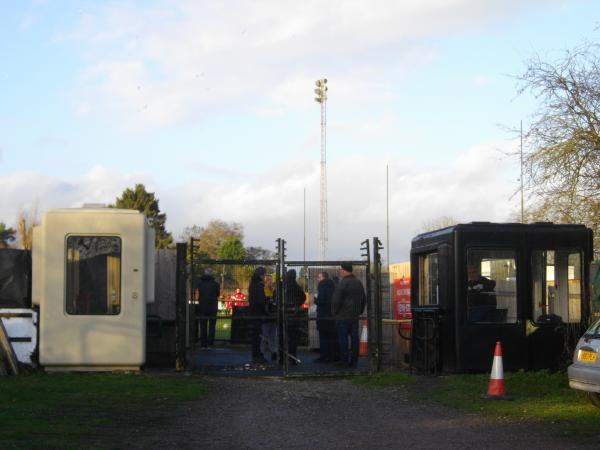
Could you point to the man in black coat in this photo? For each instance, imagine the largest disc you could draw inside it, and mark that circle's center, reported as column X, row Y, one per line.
column 328, row 342
column 294, row 299
column 208, row 296
column 256, row 311
column 349, row 300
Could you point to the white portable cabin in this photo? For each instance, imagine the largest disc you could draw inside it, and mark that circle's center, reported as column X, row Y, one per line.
column 93, row 273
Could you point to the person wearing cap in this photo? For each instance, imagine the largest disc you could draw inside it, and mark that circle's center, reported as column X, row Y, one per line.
column 349, row 300
column 208, row 291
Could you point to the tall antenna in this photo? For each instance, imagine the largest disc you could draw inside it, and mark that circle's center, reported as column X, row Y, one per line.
column 522, row 203
column 304, row 243
column 321, row 92
column 387, row 214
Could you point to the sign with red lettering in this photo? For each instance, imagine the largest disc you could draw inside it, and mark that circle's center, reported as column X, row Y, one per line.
column 401, row 301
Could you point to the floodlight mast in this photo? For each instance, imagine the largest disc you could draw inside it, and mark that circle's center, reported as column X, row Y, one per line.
column 321, row 92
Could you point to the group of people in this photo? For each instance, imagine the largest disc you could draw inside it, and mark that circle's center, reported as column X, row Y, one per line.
column 266, row 339
column 339, row 306
column 338, row 309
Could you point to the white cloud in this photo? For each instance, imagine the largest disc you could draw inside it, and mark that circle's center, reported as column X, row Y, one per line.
column 483, row 81
column 475, row 186
column 26, row 189
column 159, row 65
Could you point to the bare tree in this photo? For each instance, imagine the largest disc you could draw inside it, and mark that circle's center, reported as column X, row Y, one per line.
column 562, row 145
column 438, row 223
column 210, row 237
column 26, row 220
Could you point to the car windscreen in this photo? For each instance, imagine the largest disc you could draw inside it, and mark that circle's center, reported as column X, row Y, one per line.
column 594, row 330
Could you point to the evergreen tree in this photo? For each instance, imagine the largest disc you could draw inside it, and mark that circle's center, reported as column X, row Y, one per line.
column 231, row 248
column 146, row 202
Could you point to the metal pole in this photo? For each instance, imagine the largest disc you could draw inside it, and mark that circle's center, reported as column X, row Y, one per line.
column 282, row 298
column 378, row 311
column 324, row 237
column 321, row 92
column 304, row 252
column 370, row 322
column 522, row 207
column 387, row 214
column 180, row 308
column 191, row 309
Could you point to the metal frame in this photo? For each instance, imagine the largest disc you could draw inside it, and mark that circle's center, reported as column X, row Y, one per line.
column 186, row 315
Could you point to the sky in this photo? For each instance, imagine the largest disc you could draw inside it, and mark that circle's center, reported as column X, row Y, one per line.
column 211, row 106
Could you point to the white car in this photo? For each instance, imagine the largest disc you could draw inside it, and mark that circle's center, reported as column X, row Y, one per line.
column 584, row 373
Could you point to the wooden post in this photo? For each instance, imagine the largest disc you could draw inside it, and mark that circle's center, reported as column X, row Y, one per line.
column 6, row 351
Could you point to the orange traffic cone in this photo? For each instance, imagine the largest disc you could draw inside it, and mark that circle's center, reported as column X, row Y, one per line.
column 363, row 348
column 496, row 385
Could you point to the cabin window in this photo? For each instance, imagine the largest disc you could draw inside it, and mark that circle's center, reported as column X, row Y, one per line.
column 428, row 279
column 556, row 283
column 491, row 285
column 93, row 275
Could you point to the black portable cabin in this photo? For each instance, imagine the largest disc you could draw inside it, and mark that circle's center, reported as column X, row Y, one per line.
column 525, row 285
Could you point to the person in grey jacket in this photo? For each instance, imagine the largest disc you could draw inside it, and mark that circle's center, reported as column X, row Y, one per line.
column 349, row 300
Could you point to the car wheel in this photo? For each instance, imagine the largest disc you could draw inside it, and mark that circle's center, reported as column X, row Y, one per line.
column 594, row 398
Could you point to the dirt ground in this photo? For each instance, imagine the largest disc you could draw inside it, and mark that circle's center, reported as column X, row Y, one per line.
column 327, row 413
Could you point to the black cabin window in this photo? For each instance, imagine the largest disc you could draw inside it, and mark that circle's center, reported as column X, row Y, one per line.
column 491, row 285
column 556, row 283
column 93, row 275
column 428, row 279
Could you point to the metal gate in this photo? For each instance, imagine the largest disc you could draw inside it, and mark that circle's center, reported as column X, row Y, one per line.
column 289, row 339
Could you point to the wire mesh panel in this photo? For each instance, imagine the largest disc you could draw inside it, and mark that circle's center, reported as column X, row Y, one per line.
column 231, row 328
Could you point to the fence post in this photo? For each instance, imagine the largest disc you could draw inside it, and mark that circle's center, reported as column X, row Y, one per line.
column 191, row 304
column 378, row 307
column 180, row 307
column 281, row 302
column 366, row 253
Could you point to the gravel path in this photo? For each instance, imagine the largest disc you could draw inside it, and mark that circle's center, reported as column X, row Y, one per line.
column 272, row 413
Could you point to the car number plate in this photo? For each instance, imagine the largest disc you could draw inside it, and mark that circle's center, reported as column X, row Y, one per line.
column 586, row 356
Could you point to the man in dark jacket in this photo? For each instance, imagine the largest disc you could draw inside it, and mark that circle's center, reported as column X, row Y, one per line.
column 294, row 299
column 208, row 296
column 349, row 301
column 256, row 309
column 328, row 342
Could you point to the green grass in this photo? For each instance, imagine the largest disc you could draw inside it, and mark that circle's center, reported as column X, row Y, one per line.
column 223, row 329
column 541, row 396
column 535, row 395
column 382, row 379
column 62, row 410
